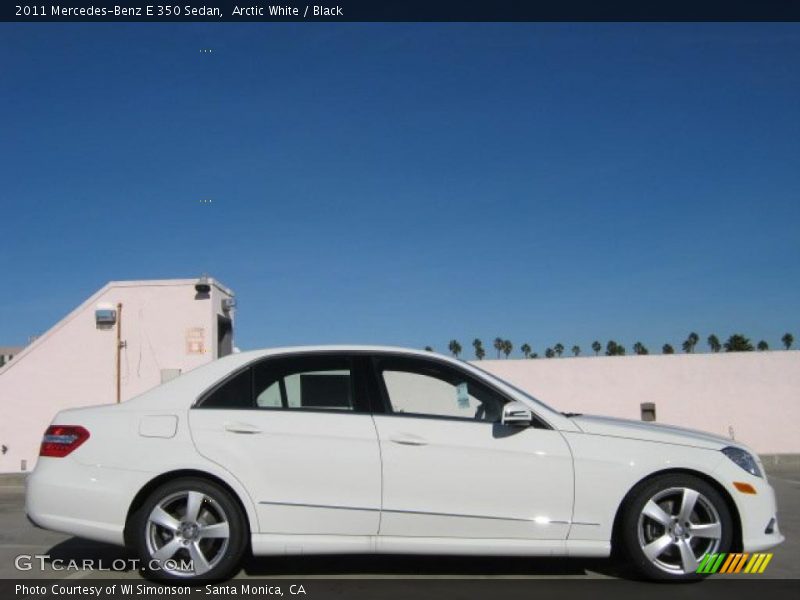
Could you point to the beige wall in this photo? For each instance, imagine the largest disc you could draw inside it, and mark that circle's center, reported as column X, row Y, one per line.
column 754, row 394
column 74, row 363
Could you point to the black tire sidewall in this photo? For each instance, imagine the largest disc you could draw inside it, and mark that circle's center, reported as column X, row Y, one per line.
column 640, row 495
column 238, row 540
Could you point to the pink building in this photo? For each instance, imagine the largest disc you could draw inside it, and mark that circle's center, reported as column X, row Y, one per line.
column 165, row 327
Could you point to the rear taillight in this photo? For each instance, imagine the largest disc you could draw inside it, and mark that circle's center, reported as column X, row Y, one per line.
column 60, row 440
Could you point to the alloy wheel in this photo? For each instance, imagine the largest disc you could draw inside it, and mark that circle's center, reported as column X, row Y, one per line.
column 677, row 527
column 187, row 528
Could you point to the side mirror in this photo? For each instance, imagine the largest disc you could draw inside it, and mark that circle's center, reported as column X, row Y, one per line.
column 516, row 414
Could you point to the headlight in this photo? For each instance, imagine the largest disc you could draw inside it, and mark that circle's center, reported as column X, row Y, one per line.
column 744, row 459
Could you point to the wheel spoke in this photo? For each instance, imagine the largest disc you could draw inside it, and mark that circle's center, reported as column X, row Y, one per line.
column 654, row 549
column 655, row 512
column 194, row 501
column 687, row 505
column 161, row 517
column 200, row 531
column 168, row 550
column 707, row 530
column 217, row 530
column 688, row 559
column 199, row 562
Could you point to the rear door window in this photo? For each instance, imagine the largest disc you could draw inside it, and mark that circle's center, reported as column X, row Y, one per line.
column 305, row 383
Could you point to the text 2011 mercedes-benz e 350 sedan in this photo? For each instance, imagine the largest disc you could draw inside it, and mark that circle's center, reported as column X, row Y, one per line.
column 362, row 449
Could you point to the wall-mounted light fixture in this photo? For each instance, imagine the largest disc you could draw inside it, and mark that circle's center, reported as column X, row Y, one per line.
column 202, row 286
column 105, row 316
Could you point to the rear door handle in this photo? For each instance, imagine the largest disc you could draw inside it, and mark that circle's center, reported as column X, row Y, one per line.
column 406, row 439
column 241, row 428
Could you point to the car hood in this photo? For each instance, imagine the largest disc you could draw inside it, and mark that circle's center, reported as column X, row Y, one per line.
column 653, row 432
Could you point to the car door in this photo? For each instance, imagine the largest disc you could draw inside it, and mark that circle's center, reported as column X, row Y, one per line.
column 296, row 431
column 450, row 469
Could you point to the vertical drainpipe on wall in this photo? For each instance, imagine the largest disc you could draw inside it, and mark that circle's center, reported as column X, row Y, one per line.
column 119, row 351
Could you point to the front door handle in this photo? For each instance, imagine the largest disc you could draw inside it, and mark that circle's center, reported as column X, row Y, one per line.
column 406, row 439
column 241, row 428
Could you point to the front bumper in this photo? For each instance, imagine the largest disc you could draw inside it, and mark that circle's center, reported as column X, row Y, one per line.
column 758, row 513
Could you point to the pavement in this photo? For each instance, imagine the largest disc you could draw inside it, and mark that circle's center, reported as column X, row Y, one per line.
column 19, row 537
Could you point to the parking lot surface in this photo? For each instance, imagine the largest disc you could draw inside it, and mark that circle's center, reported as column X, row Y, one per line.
column 19, row 537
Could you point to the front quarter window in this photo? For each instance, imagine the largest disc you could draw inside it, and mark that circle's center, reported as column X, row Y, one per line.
column 497, row 380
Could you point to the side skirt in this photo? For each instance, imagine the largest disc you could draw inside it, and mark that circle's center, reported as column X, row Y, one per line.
column 292, row 545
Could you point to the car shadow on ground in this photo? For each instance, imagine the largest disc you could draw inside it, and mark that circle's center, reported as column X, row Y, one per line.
column 406, row 565
column 78, row 550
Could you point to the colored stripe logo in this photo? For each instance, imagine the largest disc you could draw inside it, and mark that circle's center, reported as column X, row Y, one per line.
column 723, row 562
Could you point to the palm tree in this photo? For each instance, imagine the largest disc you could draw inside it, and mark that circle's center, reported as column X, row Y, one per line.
column 507, row 347
column 498, row 345
column 762, row 346
column 694, row 338
column 713, row 343
column 428, row 349
column 526, row 350
column 788, row 340
column 479, row 351
column 738, row 343
column 640, row 349
column 576, row 350
column 667, row 349
column 614, row 349
column 558, row 349
column 548, row 353
column 534, row 355
column 596, row 347
column 690, row 342
column 454, row 347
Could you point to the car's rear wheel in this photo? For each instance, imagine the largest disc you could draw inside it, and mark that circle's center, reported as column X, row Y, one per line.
column 670, row 523
column 189, row 529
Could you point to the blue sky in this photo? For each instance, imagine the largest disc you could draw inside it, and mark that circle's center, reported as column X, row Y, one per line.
column 410, row 183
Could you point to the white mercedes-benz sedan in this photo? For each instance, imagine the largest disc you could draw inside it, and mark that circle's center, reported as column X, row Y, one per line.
column 369, row 449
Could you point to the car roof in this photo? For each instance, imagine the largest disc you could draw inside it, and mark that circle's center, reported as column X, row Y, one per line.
column 340, row 348
column 194, row 382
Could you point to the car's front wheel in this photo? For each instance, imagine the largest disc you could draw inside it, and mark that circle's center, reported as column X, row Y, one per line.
column 189, row 529
column 670, row 523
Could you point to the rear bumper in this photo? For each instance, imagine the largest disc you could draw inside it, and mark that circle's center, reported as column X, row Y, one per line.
column 86, row 501
column 32, row 522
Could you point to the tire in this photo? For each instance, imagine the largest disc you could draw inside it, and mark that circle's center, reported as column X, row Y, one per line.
column 656, row 541
column 160, row 531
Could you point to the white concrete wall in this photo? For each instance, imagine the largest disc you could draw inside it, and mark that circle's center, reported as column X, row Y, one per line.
column 74, row 363
column 754, row 394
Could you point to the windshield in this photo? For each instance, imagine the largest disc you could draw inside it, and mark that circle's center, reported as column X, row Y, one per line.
column 497, row 379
